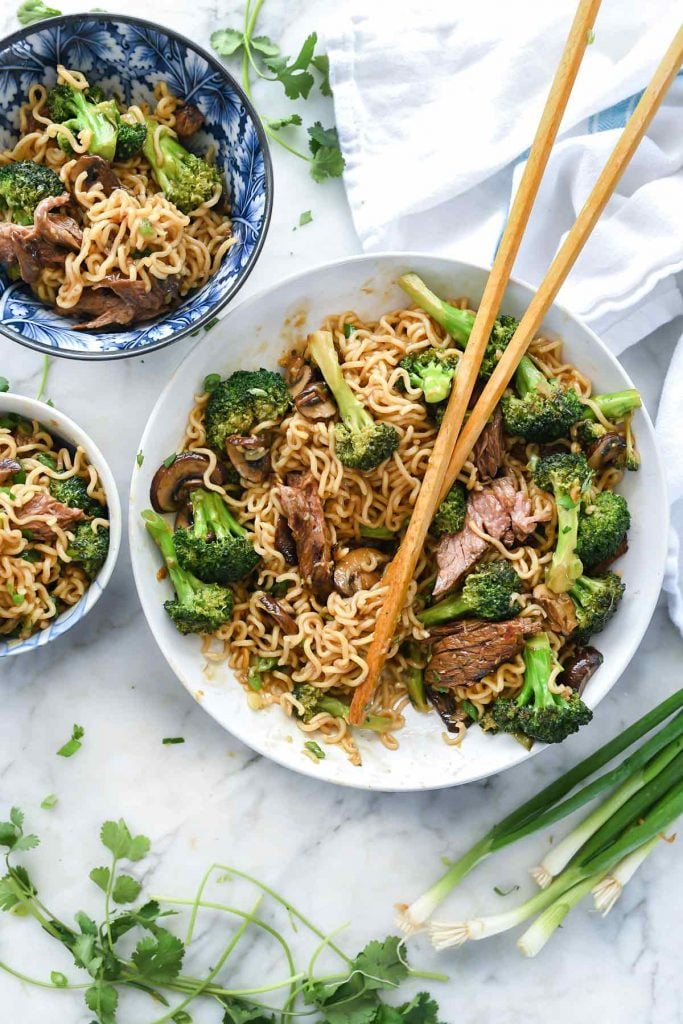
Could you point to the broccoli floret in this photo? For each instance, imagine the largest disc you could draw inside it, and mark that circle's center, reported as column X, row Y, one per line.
column 614, row 405
column 536, row 711
column 80, row 111
column 360, row 442
column 588, row 432
column 543, row 410
column 89, row 548
column 74, row 492
column 432, row 371
column 314, row 701
column 215, row 548
column 450, row 515
column 197, row 607
column 23, row 185
column 186, row 180
column 488, row 593
column 596, row 598
column 459, row 322
column 567, row 476
column 602, row 531
column 243, row 401
column 130, row 139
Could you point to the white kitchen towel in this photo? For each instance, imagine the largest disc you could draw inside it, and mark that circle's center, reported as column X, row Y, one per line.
column 436, row 105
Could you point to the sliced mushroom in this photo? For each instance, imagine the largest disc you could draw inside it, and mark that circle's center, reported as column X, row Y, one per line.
column 172, row 485
column 579, row 668
column 358, row 570
column 311, row 397
column 284, row 541
column 250, row 457
column 446, row 705
column 277, row 612
column 8, row 467
column 294, row 365
column 559, row 609
column 183, row 517
column 97, row 172
column 608, row 450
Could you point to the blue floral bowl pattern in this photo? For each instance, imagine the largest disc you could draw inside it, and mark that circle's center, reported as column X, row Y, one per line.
column 129, row 57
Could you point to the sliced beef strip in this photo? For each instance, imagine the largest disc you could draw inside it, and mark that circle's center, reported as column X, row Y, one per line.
column 45, row 243
column 45, row 505
column 304, row 511
column 499, row 510
column 97, row 172
column 60, row 229
column 559, row 610
column 578, row 669
column 474, row 648
column 487, row 454
column 188, row 120
column 118, row 300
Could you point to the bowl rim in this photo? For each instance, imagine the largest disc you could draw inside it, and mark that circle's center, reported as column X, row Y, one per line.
column 70, row 431
column 522, row 756
column 189, row 329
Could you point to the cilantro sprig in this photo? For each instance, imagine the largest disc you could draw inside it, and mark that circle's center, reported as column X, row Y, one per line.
column 152, row 957
column 297, row 76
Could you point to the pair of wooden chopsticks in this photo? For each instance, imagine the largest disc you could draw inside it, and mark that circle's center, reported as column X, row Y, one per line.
column 452, row 447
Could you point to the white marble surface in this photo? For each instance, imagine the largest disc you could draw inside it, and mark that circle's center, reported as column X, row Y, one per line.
column 344, row 855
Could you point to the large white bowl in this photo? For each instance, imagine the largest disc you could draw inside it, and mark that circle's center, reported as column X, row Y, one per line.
column 257, row 333
column 61, row 426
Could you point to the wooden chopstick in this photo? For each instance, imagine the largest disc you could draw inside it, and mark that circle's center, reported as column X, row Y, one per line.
column 566, row 256
column 402, row 568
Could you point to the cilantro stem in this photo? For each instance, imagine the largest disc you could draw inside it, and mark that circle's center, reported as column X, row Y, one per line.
column 107, row 902
column 200, row 986
column 41, row 984
column 43, row 379
column 247, row 60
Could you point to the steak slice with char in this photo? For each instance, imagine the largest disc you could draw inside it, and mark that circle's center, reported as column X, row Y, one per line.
column 304, row 511
column 489, row 450
column 473, row 648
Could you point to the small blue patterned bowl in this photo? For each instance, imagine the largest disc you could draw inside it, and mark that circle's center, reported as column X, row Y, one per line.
column 129, row 57
column 63, row 427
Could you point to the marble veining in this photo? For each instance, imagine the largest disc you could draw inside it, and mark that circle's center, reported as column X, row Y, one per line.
column 344, row 855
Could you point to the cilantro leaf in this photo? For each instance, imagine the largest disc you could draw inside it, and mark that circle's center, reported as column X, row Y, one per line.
column 420, row 1010
column 159, row 957
column 237, row 1012
column 265, row 46
column 49, row 802
column 100, row 876
column 380, row 964
column 285, row 122
column 35, row 10
column 26, row 843
column 102, row 1000
column 328, row 161
column 116, row 836
column 126, row 889
column 17, row 818
column 74, row 744
column 12, row 832
column 10, row 893
column 83, row 949
column 227, row 41
column 321, row 63
column 295, row 78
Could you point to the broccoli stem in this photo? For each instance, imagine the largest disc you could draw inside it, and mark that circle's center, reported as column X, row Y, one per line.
column 415, row 683
column 528, row 377
column 566, row 566
column 614, row 405
column 321, row 347
column 436, row 384
column 538, row 667
column 376, row 532
column 338, row 709
column 450, row 608
column 457, row 322
column 103, row 142
column 162, row 535
column 212, row 516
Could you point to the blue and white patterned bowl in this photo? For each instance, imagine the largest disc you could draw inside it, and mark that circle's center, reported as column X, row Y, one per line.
column 129, row 56
column 64, row 428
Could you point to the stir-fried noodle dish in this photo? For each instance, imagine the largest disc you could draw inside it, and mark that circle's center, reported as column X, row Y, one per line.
column 54, row 528
column 291, row 492
column 104, row 212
